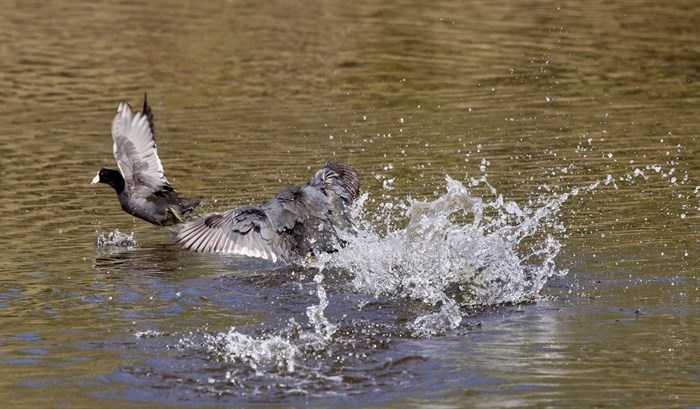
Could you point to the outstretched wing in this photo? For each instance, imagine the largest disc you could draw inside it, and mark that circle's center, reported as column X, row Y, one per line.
column 135, row 148
column 246, row 231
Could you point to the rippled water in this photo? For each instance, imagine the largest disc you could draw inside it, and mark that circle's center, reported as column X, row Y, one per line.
column 528, row 234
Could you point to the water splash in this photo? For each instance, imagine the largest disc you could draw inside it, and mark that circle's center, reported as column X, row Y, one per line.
column 272, row 353
column 457, row 251
column 115, row 239
column 149, row 333
column 451, row 254
column 263, row 354
column 323, row 329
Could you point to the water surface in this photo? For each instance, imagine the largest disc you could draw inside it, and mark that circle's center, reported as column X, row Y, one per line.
column 585, row 113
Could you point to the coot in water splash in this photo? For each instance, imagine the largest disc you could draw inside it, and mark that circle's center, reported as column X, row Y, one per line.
column 297, row 221
column 140, row 183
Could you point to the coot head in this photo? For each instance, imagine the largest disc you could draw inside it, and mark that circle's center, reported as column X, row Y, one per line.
column 110, row 177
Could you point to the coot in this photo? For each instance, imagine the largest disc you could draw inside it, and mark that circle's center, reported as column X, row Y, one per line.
column 140, row 183
column 298, row 221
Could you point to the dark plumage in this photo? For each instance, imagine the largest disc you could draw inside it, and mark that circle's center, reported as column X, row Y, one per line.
column 140, row 183
column 298, row 221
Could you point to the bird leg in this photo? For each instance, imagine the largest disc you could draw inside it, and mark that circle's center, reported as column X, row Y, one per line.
column 176, row 215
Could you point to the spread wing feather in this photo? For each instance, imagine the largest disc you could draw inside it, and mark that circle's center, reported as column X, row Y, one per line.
column 298, row 220
column 246, row 231
column 135, row 149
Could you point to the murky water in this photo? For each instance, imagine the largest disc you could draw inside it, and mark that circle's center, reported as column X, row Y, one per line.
column 529, row 234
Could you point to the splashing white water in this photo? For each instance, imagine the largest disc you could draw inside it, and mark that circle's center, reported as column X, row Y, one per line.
column 115, row 239
column 273, row 352
column 323, row 329
column 458, row 250
column 258, row 353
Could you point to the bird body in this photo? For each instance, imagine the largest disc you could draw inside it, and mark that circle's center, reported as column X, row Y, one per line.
column 299, row 220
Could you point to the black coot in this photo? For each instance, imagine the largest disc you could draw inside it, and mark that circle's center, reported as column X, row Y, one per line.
column 298, row 221
column 140, row 183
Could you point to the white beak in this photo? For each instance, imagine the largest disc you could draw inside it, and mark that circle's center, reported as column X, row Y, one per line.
column 96, row 179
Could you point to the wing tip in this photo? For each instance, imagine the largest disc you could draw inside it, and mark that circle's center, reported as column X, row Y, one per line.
column 123, row 107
